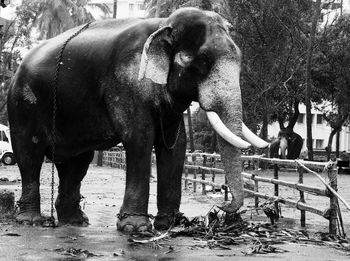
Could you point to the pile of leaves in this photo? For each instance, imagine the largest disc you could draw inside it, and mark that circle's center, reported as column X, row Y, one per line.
column 221, row 230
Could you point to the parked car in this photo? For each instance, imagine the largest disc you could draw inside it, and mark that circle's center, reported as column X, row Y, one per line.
column 6, row 152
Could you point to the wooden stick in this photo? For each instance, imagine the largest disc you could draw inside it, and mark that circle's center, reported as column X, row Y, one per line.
column 298, row 186
column 302, row 197
column 326, row 184
column 151, row 239
column 297, row 204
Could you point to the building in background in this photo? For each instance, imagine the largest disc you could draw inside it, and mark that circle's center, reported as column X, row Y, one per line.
column 320, row 131
column 332, row 10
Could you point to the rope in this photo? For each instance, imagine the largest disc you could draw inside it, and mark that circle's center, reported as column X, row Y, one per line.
column 59, row 59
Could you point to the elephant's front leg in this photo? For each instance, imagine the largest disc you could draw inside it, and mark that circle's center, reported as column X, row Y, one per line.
column 170, row 164
column 133, row 216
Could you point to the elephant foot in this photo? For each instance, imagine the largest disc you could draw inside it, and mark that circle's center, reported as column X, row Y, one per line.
column 69, row 212
column 231, row 207
column 77, row 218
column 30, row 218
column 164, row 221
column 129, row 223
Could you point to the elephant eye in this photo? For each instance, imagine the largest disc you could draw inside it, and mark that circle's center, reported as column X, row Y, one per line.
column 183, row 58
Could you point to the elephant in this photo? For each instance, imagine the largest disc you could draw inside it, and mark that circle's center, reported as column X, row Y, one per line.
column 126, row 81
column 288, row 145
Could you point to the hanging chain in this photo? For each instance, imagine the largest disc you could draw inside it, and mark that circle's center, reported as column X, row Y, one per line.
column 176, row 137
column 59, row 59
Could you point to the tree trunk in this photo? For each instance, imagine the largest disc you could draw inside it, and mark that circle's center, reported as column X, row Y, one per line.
column 308, row 79
column 330, row 142
column 190, row 129
column 115, row 8
column 264, row 130
column 337, row 144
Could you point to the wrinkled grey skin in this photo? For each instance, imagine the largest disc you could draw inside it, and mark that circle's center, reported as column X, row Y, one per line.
column 125, row 81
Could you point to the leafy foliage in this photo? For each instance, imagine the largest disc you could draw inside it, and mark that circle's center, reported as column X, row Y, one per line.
column 204, row 136
column 271, row 34
column 331, row 74
column 54, row 17
column 36, row 19
column 163, row 8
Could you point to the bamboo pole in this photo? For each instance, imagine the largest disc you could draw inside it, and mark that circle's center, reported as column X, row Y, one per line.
column 216, row 170
column 206, row 182
column 256, row 189
column 302, row 197
column 276, row 187
column 297, row 204
column 195, row 182
column 311, row 164
column 332, row 202
column 297, row 186
column 203, row 185
column 186, row 180
column 326, row 184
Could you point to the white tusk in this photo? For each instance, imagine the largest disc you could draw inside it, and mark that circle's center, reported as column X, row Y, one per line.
column 224, row 132
column 253, row 138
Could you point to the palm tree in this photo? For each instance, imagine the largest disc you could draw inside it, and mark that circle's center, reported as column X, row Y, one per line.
column 53, row 17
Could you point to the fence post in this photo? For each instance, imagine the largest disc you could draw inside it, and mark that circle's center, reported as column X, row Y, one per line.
column 204, row 160
column 275, row 176
column 195, row 183
column 203, row 185
column 256, row 189
column 332, row 175
column 186, row 176
column 212, row 173
column 302, row 196
column 226, row 192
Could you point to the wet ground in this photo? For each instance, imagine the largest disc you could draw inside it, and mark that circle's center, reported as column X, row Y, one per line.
column 103, row 190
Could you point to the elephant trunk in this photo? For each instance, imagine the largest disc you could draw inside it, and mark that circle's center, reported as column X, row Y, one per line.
column 220, row 97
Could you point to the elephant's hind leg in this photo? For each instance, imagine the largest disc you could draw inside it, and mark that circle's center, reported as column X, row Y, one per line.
column 67, row 204
column 29, row 156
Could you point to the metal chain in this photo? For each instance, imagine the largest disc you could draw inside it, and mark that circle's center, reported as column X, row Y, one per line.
column 59, row 59
column 125, row 215
column 176, row 137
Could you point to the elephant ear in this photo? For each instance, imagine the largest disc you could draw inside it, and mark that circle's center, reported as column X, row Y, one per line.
column 155, row 59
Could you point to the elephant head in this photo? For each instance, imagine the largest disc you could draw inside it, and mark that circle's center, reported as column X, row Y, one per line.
column 193, row 57
column 288, row 145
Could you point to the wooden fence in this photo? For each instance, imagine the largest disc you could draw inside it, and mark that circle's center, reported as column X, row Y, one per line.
column 332, row 213
column 203, row 165
column 114, row 158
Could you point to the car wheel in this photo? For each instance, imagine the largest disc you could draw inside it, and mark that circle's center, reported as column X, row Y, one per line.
column 8, row 159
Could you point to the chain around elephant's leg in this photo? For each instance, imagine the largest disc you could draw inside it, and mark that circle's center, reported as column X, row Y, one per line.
column 133, row 216
column 29, row 158
column 169, row 171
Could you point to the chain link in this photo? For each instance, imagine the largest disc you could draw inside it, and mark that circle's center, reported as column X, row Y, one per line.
column 59, row 62
column 125, row 215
